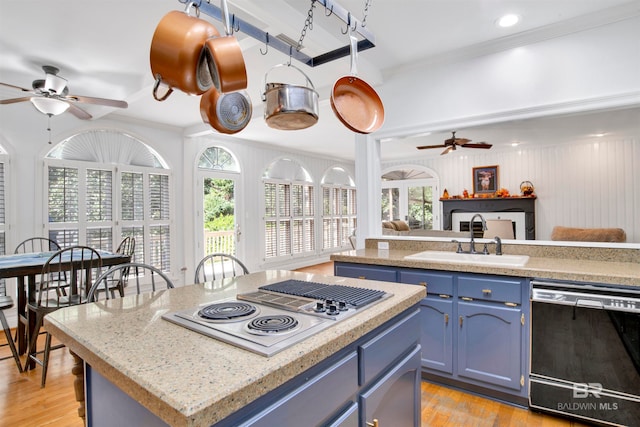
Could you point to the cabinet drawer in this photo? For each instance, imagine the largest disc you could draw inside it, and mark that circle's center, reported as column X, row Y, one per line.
column 320, row 396
column 377, row 354
column 385, row 274
column 436, row 283
column 490, row 289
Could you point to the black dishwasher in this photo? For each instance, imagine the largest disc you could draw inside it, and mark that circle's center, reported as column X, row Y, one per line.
column 585, row 351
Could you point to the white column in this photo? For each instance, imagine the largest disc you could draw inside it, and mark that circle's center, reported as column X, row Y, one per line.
column 367, row 151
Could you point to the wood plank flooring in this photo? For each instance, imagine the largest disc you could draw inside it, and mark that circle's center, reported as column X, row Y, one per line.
column 24, row 403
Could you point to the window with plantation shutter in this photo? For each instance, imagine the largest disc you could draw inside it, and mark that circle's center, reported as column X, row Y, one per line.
column 339, row 209
column 289, row 222
column 132, row 194
column 3, row 288
column 159, row 196
column 97, row 200
column 63, row 194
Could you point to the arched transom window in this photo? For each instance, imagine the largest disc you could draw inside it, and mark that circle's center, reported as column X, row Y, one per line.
column 104, row 185
column 219, row 159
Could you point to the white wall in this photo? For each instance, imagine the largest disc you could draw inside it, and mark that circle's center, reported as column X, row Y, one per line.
column 581, row 70
column 578, row 185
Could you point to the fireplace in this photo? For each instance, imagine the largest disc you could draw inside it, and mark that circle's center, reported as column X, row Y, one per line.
column 456, row 213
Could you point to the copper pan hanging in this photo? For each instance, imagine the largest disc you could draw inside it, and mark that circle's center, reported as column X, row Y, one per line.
column 226, row 112
column 224, row 58
column 354, row 101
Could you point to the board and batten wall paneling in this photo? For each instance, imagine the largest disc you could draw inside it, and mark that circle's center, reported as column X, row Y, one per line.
column 585, row 184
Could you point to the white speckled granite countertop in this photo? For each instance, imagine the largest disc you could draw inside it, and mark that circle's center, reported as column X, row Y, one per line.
column 596, row 265
column 188, row 379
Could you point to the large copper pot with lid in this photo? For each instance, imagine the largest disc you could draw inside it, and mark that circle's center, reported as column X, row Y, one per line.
column 177, row 54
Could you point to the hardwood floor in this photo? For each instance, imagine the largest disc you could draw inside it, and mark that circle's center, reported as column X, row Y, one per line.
column 24, row 403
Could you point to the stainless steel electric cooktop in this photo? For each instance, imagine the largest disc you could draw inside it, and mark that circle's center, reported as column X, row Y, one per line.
column 276, row 316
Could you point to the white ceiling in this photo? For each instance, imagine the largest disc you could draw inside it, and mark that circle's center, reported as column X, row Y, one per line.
column 102, row 48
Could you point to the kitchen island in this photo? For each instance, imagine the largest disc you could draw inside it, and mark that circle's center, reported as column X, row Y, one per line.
column 184, row 378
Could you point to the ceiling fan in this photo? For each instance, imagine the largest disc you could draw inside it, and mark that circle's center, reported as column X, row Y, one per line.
column 51, row 96
column 454, row 142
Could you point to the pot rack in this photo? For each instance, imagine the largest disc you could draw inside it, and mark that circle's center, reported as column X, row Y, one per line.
column 331, row 8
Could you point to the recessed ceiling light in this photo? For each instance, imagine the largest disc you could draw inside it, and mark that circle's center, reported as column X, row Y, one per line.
column 508, row 20
column 599, row 135
column 515, row 144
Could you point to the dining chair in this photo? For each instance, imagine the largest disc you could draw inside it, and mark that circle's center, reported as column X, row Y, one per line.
column 126, row 247
column 219, row 265
column 146, row 278
column 37, row 244
column 40, row 244
column 80, row 264
column 6, row 302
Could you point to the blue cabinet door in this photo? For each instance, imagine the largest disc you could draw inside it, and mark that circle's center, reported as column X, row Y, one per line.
column 489, row 344
column 394, row 400
column 436, row 336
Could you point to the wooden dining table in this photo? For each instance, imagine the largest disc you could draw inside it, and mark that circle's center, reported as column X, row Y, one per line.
column 25, row 267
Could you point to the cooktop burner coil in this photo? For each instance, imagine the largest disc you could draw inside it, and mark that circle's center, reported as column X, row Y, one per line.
column 227, row 311
column 272, row 324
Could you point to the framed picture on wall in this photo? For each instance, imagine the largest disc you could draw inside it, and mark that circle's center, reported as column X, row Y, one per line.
column 485, row 179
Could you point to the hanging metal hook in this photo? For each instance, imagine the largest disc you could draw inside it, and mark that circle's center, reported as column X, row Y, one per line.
column 330, row 11
column 348, row 24
column 266, row 44
column 290, row 53
column 234, row 28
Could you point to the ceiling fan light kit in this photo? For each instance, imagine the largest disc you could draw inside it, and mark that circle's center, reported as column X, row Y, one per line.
column 50, row 106
column 51, row 96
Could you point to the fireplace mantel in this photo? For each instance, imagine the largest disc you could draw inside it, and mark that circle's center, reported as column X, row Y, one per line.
column 496, row 204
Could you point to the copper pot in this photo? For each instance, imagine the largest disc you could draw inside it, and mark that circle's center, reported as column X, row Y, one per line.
column 226, row 112
column 354, row 101
column 225, row 60
column 177, row 53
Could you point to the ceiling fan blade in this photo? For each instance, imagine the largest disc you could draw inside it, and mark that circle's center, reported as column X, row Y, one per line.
column 448, row 150
column 477, row 145
column 97, row 101
column 425, row 147
column 16, row 87
column 462, row 141
column 14, row 100
column 79, row 112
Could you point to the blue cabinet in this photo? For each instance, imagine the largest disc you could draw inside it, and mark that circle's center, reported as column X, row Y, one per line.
column 436, row 337
column 363, row 271
column 386, row 402
column 489, row 341
column 474, row 331
column 436, row 314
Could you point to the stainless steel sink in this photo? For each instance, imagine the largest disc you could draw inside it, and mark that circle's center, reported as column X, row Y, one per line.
column 478, row 259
